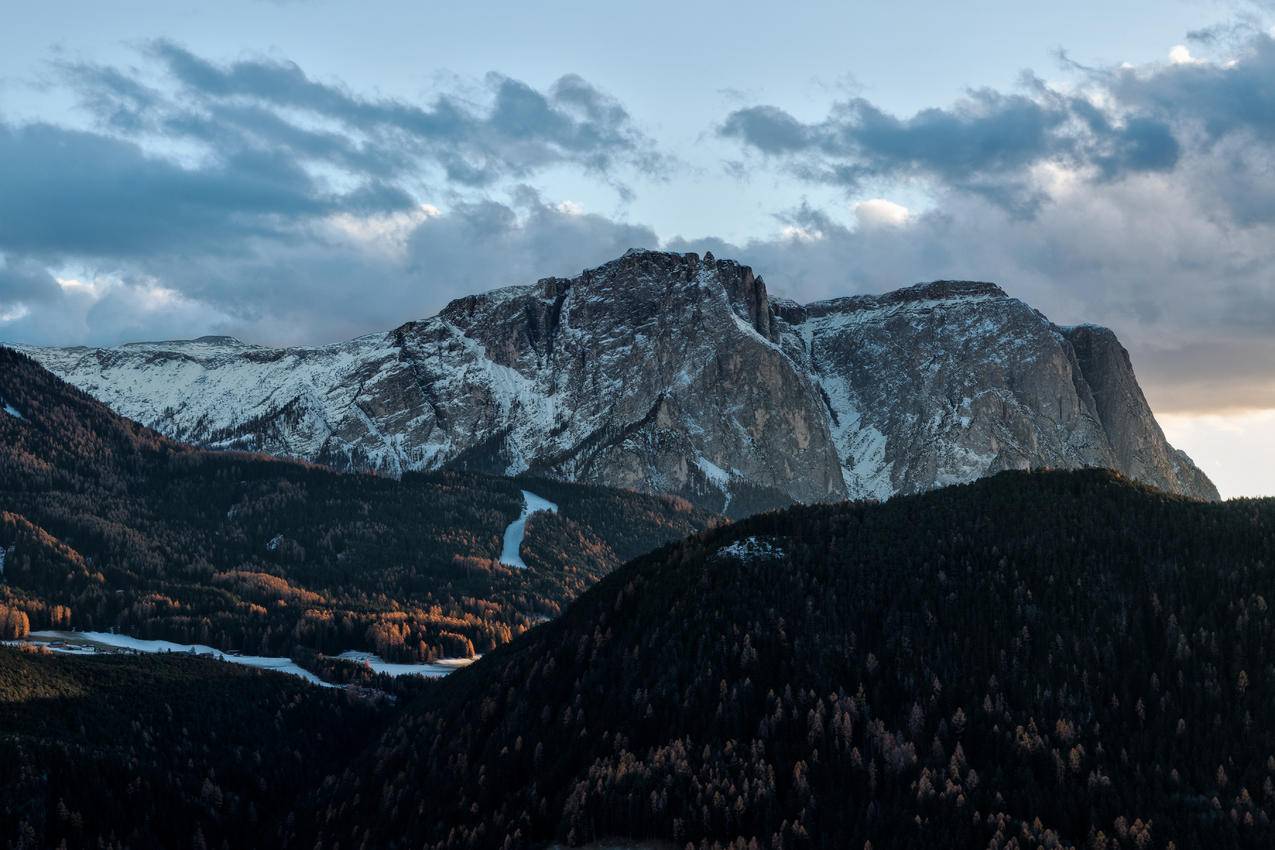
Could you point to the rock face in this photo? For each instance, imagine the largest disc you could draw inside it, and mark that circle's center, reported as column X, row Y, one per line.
column 675, row 374
column 1140, row 450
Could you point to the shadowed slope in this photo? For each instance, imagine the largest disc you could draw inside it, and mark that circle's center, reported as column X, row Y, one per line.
column 1039, row 656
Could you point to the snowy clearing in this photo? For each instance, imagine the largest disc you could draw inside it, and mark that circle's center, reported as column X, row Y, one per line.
column 93, row 643
column 433, row 670
column 85, row 643
column 510, row 551
column 11, row 410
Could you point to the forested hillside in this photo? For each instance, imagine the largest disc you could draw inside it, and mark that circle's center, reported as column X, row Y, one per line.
column 1033, row 660
column 1039, row 659
column 105, row 524
column 162, row 750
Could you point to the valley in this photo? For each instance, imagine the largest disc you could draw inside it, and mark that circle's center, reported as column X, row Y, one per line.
column 91, row 643
column 107, row 526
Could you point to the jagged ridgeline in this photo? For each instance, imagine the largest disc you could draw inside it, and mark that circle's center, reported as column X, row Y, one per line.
column 671, row 373
column 1049, row 659
column 107, row 524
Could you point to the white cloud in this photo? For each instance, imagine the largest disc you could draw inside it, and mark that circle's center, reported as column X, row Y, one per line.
column 13, row 313
column 792, row 232
column 879, row 212
column 1180, row 55
column 384, row 234
column 91, row 288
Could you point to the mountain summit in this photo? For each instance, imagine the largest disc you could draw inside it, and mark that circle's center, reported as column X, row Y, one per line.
column 672, row 373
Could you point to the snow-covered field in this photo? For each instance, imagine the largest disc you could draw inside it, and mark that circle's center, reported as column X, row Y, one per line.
column 90, row 643
column 439, row 668
column 86, row 643
column 510, row 553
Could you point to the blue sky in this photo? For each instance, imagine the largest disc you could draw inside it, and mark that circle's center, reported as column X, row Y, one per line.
column 304, row 171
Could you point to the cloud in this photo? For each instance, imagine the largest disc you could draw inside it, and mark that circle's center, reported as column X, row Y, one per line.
column 1181, row 55
column 879, row 212
column 266, row 102
column 1110, row 124
column 352, row 275
column 78, row 193
column 1208, row 122
column 250, row 197
column 986, row 144
column 209, row 155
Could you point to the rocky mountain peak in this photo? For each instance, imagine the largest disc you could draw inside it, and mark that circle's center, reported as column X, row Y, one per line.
column 935, row 291
column 745, row 291
column 673, row 373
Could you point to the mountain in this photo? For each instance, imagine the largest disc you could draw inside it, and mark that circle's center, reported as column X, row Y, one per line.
column 1045, row 659
column 676, row 374
column 107, row 524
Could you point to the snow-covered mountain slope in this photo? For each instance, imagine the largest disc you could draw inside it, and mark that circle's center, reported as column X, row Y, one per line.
column 676, row 374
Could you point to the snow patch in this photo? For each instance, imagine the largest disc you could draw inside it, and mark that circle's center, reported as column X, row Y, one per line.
column 719, row 477
column 10, row 409
column 510, row 553
column 433, row 670
column 752, row 548
column 716, row 476
column 85, row 643
column 860, row 446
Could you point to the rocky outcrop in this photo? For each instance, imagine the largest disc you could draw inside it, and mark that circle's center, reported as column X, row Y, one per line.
column 944, row 382
column 1137, row 443
column 671, row 373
